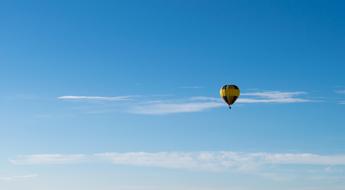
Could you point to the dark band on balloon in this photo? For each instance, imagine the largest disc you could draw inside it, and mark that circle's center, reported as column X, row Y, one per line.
column 226, row 99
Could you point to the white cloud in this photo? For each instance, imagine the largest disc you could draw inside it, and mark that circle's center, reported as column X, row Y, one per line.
column 273, row 97
column 96, row 98
column 219, row 161
column 342, row 92
column 204, row 161
column 38, row 159
column 162, row 108
column 202, row 103
column 205, row 98
column 18, row 177
column 304, row 158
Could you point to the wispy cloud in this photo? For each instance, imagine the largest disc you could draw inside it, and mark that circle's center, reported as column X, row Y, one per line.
column 265, row 97
column 201, row 103
column 18, row 177
column 153, row 105
column 163, row 108
column 43, row 159
column 273, row 97
column 199, row 161
column 303, row 158
column 342, row 92
column 97, row 98
column 219, row 161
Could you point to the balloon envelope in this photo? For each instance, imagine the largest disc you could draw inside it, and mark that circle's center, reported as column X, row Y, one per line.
column 230, row 93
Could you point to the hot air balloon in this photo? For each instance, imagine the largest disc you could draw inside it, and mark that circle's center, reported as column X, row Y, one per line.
column 229, row 94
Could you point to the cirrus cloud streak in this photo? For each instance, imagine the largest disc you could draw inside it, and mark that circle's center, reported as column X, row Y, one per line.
column 149, row 105
column 204, row 161
column 199, row 103
column 96, row 98
column 18, row 177
column 49, row 159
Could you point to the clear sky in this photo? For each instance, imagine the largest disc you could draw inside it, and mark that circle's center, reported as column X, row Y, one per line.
column 125, row 95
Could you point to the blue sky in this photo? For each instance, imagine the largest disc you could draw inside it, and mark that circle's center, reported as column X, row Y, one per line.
column 125, row 95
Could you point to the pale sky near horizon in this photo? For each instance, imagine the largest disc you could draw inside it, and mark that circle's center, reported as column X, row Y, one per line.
column 125, row 95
